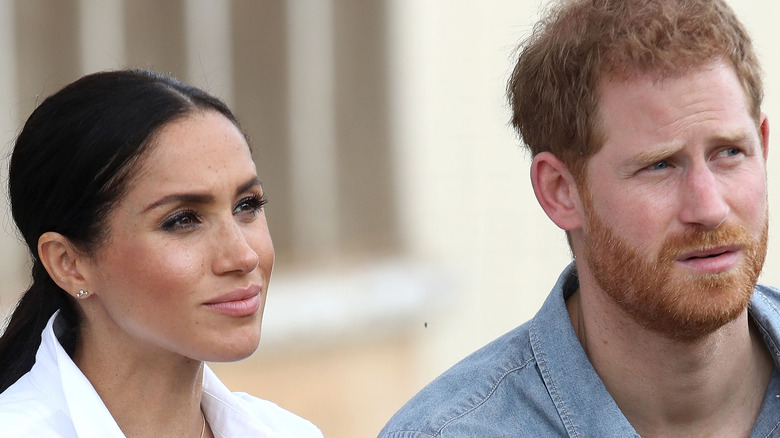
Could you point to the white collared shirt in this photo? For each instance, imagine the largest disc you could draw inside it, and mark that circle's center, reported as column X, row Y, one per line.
column 55, row 399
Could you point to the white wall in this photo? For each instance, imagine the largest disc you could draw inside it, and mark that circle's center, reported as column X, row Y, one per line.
column 464, row 181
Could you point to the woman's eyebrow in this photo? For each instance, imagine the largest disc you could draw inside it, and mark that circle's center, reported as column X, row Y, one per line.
column 252, row 182
column 199, row 198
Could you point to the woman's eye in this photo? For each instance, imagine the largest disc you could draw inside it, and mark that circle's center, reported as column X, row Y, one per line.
column 181, row 221
column 250, row 205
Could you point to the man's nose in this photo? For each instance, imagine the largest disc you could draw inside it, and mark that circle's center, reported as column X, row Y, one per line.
column 703, row 198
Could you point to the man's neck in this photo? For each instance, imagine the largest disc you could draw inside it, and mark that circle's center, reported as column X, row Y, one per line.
column 710, row 387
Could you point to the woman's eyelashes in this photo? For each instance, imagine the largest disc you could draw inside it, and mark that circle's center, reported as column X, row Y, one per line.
column 188, row 219
column 181, row 221
column 251, row 205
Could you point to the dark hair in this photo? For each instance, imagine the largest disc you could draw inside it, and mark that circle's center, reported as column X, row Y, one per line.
column 554, row 86
column 71, row 164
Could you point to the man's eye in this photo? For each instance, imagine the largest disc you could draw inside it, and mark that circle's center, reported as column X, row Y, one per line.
column 663, row 164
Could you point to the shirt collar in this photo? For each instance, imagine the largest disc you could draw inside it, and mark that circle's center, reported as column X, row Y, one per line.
column 579, row 394
column 89, row 415
column 582, row 400
column 765, row 314
column 225, row 415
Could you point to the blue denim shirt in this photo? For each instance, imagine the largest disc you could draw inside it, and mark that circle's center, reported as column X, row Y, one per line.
column 536, row 381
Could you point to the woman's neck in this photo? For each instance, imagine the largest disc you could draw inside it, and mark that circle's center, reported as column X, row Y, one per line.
column 149, row 393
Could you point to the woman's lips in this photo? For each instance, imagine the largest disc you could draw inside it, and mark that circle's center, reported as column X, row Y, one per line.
column 238, row 302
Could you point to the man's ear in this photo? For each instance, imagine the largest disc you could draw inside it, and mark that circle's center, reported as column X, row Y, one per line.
column 764, row 131
column 556, row 191
column 62, row 261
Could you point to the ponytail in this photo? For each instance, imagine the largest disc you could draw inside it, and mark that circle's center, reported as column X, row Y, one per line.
column 22, row 336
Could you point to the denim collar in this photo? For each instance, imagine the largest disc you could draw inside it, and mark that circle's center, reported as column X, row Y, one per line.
column 582, row 400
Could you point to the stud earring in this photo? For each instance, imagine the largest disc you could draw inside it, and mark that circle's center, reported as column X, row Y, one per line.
column 82, row 293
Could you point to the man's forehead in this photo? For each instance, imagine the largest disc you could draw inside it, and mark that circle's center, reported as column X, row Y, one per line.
column 665, row 102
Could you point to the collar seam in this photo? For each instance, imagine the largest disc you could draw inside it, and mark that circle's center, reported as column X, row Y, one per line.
column 487, row 396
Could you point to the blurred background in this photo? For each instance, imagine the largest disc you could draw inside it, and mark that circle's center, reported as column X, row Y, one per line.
column 406, row 231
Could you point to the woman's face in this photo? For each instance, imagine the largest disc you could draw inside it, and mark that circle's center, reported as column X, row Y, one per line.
column 188, row 259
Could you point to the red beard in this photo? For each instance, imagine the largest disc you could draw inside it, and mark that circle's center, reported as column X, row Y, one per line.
column 683, row 307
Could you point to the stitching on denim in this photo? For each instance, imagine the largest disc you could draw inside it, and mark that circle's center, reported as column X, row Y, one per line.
column 769, row 435
column 487, row 397
column 402, row 433
column 553, row 389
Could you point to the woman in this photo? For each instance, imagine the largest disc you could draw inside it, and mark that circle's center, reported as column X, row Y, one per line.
column 141, row 206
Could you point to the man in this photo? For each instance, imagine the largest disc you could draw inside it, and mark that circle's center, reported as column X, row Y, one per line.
column 644, row 120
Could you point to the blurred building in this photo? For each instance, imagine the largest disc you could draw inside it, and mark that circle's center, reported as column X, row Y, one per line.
column 406, row 231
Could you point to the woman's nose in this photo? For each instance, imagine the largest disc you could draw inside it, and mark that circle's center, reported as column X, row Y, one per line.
column 234, row 252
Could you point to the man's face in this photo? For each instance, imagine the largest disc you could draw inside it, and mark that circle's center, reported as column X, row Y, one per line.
column 675, row 202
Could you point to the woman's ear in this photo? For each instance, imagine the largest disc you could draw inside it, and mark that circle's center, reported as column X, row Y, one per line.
column 62, row 261
column 556, row 191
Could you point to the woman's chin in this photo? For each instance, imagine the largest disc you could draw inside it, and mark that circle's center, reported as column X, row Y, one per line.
column 232, row 350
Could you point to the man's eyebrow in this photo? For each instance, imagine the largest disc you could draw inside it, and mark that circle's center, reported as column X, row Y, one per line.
column 666, row 151
column 199, row 198
column 645, row 158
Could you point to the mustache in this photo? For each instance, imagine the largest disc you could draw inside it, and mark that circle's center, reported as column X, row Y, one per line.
column 700, row 239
